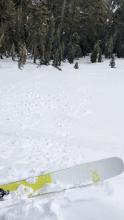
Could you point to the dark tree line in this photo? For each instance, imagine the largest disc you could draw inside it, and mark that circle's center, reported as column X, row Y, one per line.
column 61, row 29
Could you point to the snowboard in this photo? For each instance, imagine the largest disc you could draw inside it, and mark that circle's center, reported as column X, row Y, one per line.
column 79, row 175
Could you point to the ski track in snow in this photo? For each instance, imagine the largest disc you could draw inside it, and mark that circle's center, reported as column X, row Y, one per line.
column 52, row 120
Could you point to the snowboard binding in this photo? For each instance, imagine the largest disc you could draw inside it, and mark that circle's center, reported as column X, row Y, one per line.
column 3, row 193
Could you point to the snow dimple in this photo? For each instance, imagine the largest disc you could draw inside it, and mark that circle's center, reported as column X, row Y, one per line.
column 28, row 108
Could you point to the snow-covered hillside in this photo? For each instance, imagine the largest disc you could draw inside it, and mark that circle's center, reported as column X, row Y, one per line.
column 52, row 119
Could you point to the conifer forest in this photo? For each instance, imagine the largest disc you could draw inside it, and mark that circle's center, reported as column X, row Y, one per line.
column 58, row 30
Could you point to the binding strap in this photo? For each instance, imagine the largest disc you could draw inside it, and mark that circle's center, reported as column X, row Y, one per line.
column 3, row 193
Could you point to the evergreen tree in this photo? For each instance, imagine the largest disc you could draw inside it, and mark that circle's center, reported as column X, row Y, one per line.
column 1, row 44
column 94, row 14
column 38, row 29
column 109, row 48
column 120, row 49
column 76, row 44
column 74, row 50
column 100, row 56
column 76, row 66
column 95, row 53
column 22, row 56
column 50, row 39
column 13, row 53
column 71, row 53
column 118, row 23
column 7, row 25
column 57, row 50
column 112, row 62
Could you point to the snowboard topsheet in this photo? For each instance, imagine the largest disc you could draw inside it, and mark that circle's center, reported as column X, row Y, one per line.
column 78, row 175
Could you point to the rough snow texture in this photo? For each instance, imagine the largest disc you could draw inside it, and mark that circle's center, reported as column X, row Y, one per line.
column 50, row 120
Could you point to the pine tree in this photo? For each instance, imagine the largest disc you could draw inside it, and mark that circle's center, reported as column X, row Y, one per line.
column 76, row 66
column 22, row 56
column 118, row 21
column 71, row 53
column 76, row 44
column 74, row 50
column 93, row 17
column 1, row 43
column 39, row 28
column 120, row 49
column 13, row 53
column 95, row 53
column 7, row 25
column 50, row 39
column 109, row 48
column 57, row 50
column 100, row 56
column 112, row 62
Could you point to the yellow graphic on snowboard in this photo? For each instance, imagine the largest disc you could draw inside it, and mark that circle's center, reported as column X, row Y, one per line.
column 95, row 176
column 39, row 183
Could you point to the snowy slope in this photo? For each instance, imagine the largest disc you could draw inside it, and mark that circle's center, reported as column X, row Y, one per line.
column 50, row 120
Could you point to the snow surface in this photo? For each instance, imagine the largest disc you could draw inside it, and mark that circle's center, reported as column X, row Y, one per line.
column 52, row 119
